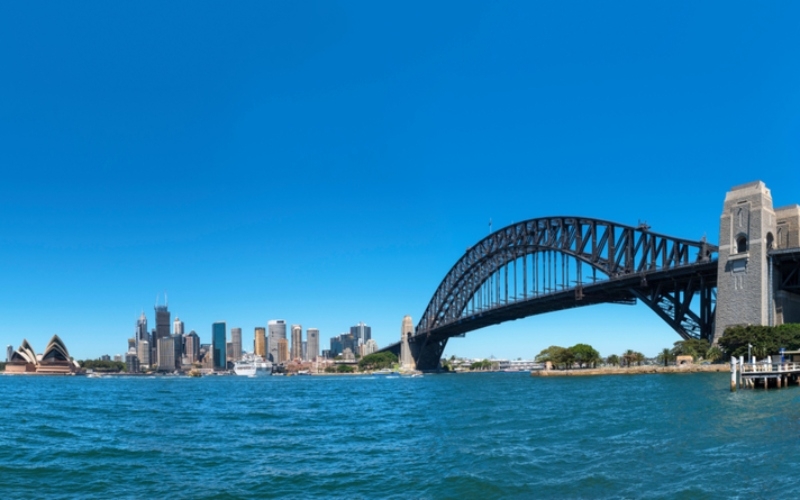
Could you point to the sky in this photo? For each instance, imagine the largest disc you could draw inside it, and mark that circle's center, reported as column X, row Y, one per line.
column 327, row 162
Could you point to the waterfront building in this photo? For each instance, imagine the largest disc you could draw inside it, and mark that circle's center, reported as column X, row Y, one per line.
column 169, row 353
column 9, row 353
column 349, row 342
column 206, row 357
column 336, row 346
column 191, row 347
column 228, row 353
column 297, row 342
column 277, row 331
column 347, row 354
column 218, row 345
column 177, row 327
column 236, row 340
column 326, row 354
column 55, row 360
column 283, row 351
column 260, row 343
column 361, row 333
column 305, row 351
column 143, row 353
column 132, row 362
column 132, row 343
column 118, row 358
column 406, row 331
column 312, row 334
column 368, row 347
column 105, row 357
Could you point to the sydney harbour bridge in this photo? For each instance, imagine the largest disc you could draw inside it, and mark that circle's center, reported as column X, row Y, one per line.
column 554, row 263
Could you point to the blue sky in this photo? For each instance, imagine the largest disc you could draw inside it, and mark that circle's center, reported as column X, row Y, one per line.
column 327, row 163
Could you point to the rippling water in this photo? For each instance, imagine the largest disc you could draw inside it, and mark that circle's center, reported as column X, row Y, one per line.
column 446, row 436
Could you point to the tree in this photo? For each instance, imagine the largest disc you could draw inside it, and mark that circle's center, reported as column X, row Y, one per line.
column 665, row 356
column 344, row 369
column 639, row 358
column 765, row 340
column 691, row 347
column 628, row 357
column 550, row 354
column 613, row 360
column 377, row 361
column 585, row 354
column 713, row 354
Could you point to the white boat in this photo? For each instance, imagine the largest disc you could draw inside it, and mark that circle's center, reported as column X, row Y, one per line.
column 252, row 366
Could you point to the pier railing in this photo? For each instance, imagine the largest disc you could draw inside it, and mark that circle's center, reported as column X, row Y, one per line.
column 748, row 374
column 766, row 367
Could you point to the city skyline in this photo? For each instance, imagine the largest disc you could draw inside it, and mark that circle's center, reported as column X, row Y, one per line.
column 329, row 164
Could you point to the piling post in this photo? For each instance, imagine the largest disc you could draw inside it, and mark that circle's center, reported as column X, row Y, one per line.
column 733, row 374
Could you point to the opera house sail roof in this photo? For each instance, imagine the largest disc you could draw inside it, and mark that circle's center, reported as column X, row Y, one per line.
column 54, row 360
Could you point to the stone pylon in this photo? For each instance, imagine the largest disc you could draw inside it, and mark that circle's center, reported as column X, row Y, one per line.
column 406, row 359
column 746, row 232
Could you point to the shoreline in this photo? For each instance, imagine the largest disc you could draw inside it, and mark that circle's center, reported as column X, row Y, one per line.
column 633, row 370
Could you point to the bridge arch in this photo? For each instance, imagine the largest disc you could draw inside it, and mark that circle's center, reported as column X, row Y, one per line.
column 549, row 263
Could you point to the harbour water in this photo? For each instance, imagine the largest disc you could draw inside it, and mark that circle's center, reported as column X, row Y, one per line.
column 493, row 435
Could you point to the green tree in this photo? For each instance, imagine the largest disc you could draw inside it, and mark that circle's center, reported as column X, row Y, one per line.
column 550, row 354
column 665, row 356
column 377, row 361
column 585, row 355
column 638, row 358
column 628, row 357
column 714, row 354
column 612, row 360
column 766, row 340
column 344, row 369
column 692, row 347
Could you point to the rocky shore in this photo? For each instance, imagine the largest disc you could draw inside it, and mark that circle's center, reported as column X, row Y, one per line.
column 633, row 370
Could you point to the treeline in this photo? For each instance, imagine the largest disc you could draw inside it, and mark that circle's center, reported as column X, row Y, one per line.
column 583, row 355
column 766, row 340
column 99, row 365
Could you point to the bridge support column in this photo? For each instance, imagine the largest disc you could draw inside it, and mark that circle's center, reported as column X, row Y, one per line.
column 746, row 226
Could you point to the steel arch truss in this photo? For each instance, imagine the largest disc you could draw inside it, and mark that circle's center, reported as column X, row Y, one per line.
column 584, row 259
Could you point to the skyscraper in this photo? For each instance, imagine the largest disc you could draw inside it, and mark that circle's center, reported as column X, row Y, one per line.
column 312, row 334
column 218, row 345
column 144, row 352
column 283, row 351
column 236, row 340
column 191, row 347
column 9, row 353
column 277, row 331
column 177, row 327
column 162, row 322
column 361, row 333
column 260, row 345
column 297, row 342
column 141, row 329
column 169, row 353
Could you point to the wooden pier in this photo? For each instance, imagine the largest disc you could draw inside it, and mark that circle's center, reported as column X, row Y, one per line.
column 763, row 373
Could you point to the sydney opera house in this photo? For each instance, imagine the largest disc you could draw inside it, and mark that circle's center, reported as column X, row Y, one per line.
column 55, row 359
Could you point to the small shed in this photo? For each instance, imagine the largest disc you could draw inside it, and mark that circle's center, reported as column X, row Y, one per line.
column 684, row 360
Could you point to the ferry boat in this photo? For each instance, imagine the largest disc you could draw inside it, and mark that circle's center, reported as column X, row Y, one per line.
column 252, row 366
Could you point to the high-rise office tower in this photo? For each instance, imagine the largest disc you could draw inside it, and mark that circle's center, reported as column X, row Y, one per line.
column 277, row 331
column 361, row 333
column 312, row 334
column 191, row 347
column 305, row 350
column 177, row 327
column 297, row 342
column 9, row 353
column 132, row 343
column 218, row 345
column 143, row 352
column 260, row 345
column 169, row 353
column 162, row 321
column 229, row 351
column 236, row 340
column 283, row 351
column 141, row 329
